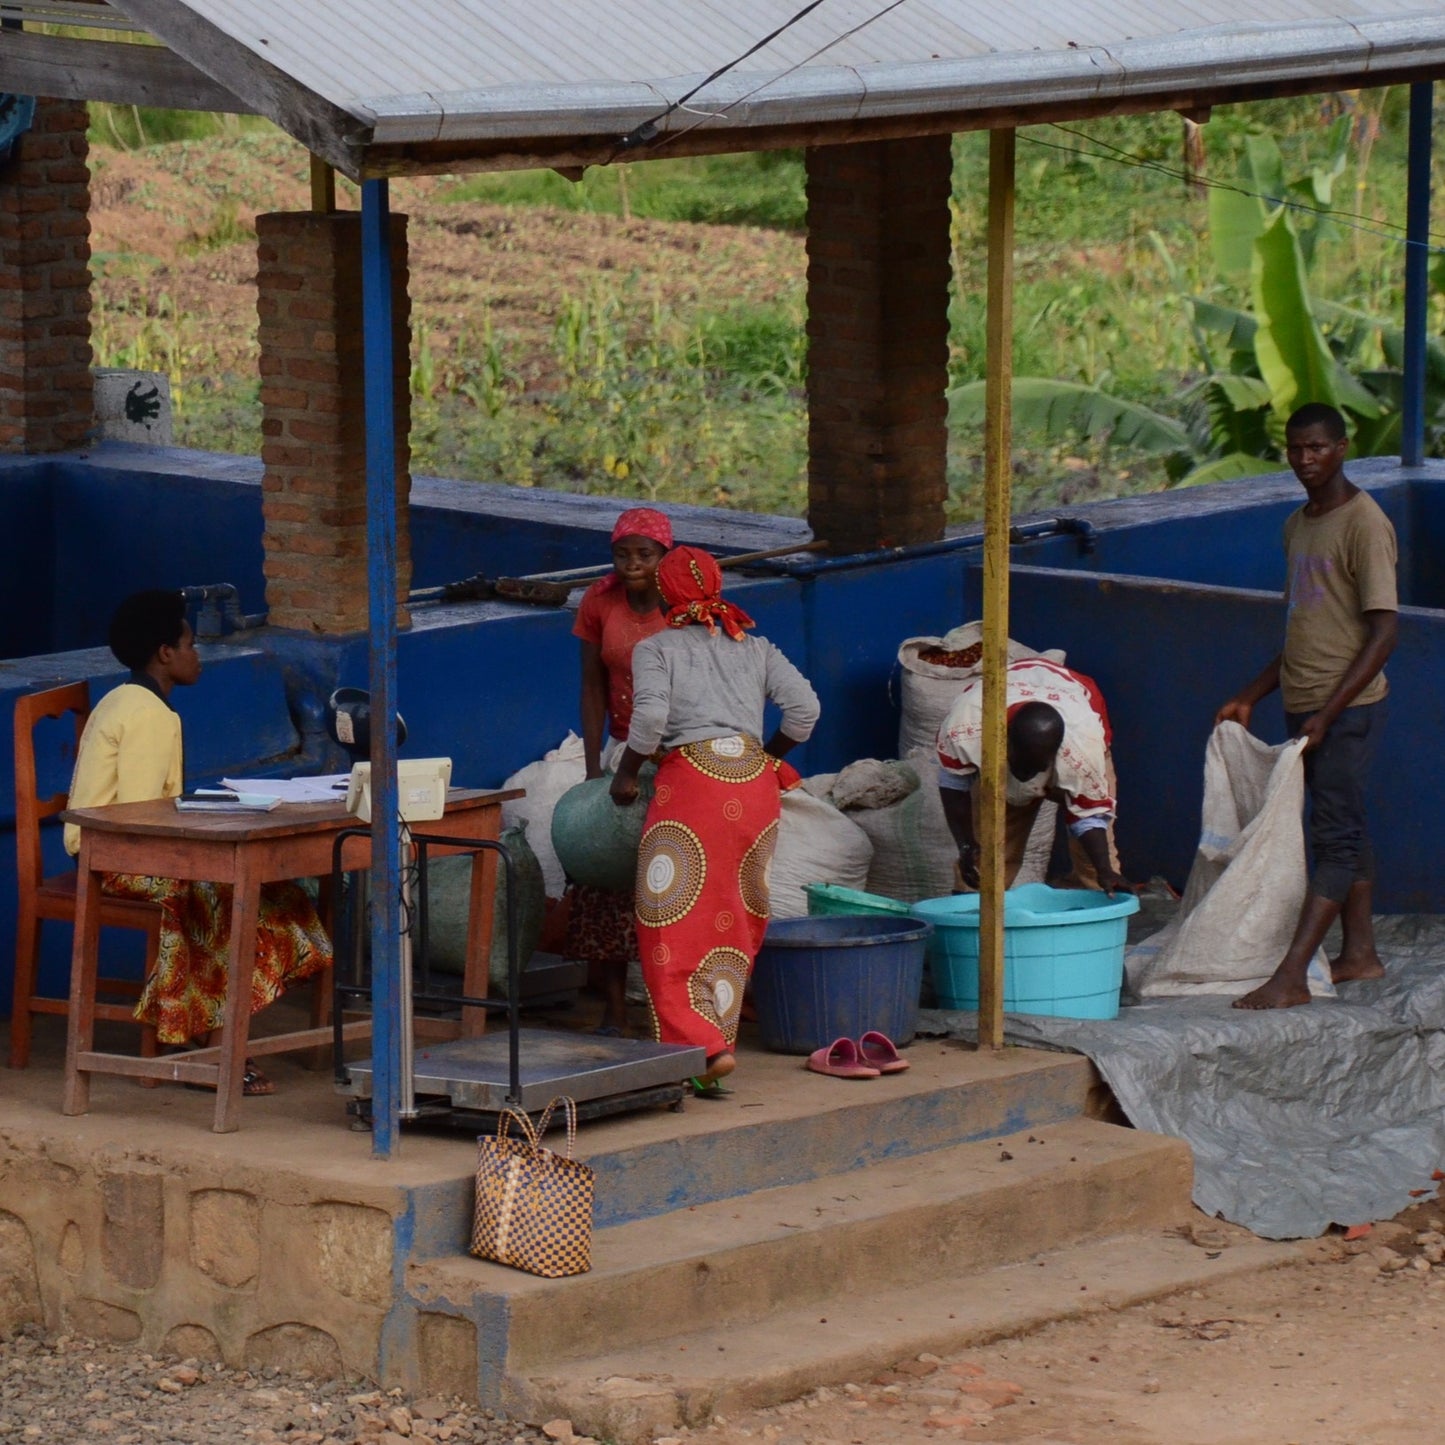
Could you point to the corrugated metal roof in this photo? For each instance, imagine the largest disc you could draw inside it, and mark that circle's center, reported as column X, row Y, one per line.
column 413, row 71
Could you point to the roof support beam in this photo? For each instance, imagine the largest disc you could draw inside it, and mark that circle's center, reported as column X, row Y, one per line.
column 386, row 918
column 325, row 129
column 1417, row 274
column 997, row 480
column 514, row 153
column 109, row 70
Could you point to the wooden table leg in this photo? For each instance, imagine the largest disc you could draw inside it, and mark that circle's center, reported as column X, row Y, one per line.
column 241, row 966
column 84, row 966
column 481, row 910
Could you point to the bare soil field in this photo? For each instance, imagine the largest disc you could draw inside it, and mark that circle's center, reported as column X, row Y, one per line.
column 173, row 237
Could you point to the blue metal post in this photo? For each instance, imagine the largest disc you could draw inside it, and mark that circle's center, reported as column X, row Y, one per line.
column 381, row 665
column 1417, row 276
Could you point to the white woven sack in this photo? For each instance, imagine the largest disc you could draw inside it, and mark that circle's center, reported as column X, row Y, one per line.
column 913, row 851
column 1248, row 880
column 927, row 689
column 816, row 844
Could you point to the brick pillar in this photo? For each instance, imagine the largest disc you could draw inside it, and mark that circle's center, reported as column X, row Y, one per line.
column 46, row 398
column 878, row 274
column 313, row 418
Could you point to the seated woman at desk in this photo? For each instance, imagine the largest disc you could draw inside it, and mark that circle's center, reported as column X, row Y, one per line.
column 130, row 752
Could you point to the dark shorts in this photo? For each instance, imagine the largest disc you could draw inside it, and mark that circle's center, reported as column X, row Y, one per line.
column 1336, row 774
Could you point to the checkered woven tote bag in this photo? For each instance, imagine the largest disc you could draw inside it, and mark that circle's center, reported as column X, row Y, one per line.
column 534, row 1207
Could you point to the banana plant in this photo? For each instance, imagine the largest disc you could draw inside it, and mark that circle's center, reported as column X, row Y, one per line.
column 1257, row 366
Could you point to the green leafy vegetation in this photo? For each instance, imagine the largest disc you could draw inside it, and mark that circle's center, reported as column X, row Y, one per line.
column 707, row 412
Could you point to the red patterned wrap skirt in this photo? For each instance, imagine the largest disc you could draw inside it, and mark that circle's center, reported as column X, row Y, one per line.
column 186, row 995
column 702, row 885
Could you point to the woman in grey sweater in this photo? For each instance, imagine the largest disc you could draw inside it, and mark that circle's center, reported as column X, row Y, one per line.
column 699, row 692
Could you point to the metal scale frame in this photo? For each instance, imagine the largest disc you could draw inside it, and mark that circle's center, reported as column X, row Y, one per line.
column 468, row 1081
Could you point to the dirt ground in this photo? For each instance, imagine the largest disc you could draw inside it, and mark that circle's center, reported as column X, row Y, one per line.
column 1335, row 1350
column 172, row 236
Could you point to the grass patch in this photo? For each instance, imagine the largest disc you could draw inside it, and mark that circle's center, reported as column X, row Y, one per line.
column 760, row 189
column 134, row 127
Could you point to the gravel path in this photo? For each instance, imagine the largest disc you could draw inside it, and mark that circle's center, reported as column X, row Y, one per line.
column 68, row 1391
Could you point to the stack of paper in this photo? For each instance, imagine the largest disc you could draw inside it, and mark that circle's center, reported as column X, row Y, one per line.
column 327, row 788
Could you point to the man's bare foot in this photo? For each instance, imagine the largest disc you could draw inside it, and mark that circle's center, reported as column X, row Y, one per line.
column 1350, row 968
column 1276, row 993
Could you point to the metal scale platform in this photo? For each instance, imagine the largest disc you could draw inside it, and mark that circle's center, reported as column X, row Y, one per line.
column 517, row 1067
column 603, row 1075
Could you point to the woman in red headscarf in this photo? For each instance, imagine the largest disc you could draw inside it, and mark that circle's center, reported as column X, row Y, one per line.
column 616, row 614
column 699, row 692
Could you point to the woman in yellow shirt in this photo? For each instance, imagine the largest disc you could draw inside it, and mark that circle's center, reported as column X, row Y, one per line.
column 131, row 752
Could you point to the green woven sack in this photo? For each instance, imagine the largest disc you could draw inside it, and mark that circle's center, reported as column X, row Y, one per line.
column 596, row 841
column 449, row 883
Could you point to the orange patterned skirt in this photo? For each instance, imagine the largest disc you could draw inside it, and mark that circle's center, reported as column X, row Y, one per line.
column 186, row 995
column 702, row 885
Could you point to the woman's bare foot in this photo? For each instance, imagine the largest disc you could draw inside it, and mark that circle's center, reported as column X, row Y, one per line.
column 1351, row 967
column 718, row 1068
column 1276, row 993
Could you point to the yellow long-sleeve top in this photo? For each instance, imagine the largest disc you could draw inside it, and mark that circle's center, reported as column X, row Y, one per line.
column 130, row 752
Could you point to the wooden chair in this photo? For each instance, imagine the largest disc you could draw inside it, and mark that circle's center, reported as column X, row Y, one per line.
column 44, row 898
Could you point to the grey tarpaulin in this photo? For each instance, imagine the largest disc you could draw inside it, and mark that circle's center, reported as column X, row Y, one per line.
column 1299, row 1118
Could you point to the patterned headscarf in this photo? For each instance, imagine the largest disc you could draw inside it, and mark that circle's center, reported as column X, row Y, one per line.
column 691, row 585
column 643, row 522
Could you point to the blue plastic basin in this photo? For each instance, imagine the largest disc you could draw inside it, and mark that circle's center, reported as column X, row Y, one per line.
column 819, row 979
column 1063, row 950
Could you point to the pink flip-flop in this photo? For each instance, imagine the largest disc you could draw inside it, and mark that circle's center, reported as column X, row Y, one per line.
column 877, row 1050
column 840, row 1060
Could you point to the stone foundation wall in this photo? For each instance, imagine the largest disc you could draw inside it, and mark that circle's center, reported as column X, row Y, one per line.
column 249, row 1268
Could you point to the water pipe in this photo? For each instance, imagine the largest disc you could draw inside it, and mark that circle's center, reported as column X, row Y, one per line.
column 1085, row 531
column 220, row 611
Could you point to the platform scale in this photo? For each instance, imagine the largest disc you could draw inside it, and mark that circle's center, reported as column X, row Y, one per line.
column 468, row 1081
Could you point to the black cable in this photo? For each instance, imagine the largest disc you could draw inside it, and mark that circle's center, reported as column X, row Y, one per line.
column 1354, row 220
column 640, row 135
column 773, row 79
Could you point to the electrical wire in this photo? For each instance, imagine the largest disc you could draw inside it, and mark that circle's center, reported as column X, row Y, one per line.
column 410, row 878
column 641, row 135
column 1351, row 220
column 656, row 142
column 647, row 134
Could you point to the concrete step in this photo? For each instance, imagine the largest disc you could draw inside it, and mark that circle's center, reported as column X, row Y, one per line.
column 787, row 1126
column 632, row 1395
column 820, row 1245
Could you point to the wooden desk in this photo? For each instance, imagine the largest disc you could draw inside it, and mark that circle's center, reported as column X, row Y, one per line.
column 244, row 850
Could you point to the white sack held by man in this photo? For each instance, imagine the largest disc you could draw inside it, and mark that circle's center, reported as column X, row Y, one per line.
column 1248, row 878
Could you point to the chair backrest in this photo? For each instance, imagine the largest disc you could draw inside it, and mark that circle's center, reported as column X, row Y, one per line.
column 30, row 808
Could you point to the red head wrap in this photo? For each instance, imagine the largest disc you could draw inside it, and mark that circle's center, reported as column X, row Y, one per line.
column 691, row 585
column 643, row 522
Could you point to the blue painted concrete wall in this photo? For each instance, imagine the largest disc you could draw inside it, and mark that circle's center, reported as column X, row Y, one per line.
column 1176, row 607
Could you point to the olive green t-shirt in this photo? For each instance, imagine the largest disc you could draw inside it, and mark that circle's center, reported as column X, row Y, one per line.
column 1338, row 567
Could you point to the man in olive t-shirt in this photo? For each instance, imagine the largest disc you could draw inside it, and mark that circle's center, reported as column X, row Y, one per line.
column 1341, row 625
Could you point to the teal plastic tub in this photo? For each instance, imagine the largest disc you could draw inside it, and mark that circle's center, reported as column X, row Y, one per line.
column 819, row 979
column 832, row 900
column 1063, row 950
